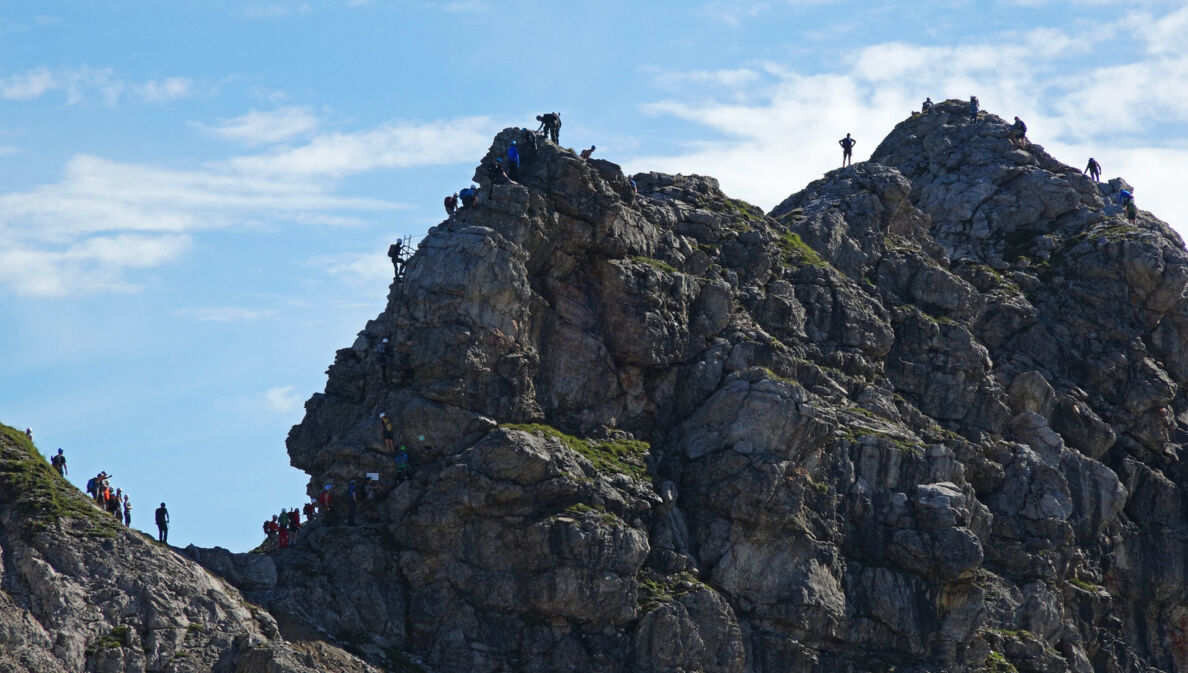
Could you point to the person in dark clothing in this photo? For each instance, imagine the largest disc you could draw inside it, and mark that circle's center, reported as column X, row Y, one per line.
column 927, row 106
column 352, row 502
column 127, row 511
column 550, row 124
column 451, row 204
column 528, row 146
column 381, row 352
column 585, row 154
column 386, row 430
column 396, row 252
column 556, row 128
column 162, row 524
column 1131, row 211
column 1093, row 169
column 496, row 173
column 847, row 145
column 402, row 464
column 973, row 108
column 468, row 195
column 59, row 463
column 1018, row 130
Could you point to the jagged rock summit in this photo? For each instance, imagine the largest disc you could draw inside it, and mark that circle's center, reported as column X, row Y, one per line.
column 925, row 415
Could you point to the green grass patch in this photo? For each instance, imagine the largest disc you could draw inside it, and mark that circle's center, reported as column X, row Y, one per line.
column 655, row 263
column 609, row 456
column 656, row 590
column 43, row 498
column 581, row 509
column 797, row 251
column 1085, row 586
column 996, row 663
column 120, row 636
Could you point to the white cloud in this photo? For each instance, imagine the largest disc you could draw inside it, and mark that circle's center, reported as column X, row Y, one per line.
column 168, row 89
column 28, row 85
column 105, row 218
column 363, row 269
column 271, row 126
column 277, row 400
column 224, row 314
column 781, row 131
column 394, row 145
column 273, row 11
column 81, row 83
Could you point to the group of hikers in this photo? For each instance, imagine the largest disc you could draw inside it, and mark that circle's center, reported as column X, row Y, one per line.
column 1018, row 135
column 284, row 528
column 507, row 168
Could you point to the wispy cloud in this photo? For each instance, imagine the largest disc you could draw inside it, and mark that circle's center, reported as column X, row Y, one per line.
column 363, row 269
column 394, row 145
column 274, row 10
column 86, row 82
column 105, row 218
column 277, row 400
column 265, row 127
column 224, row 314
column 780, row 131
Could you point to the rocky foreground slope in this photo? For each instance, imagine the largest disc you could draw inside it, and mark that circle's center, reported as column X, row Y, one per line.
column 80, row 592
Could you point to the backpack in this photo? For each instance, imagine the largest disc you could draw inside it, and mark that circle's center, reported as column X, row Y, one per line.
column 91, row 485
column 57, row 460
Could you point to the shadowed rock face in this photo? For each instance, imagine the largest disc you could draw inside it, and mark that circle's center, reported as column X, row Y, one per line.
column 923, row 416
column 80, row 592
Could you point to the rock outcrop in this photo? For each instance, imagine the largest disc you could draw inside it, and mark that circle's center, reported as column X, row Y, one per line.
column 925, row 415
column 80, row 592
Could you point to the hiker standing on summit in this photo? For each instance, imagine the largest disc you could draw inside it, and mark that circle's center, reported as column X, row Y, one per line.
column 1093, row 169
column 973, row 108
column 59, row 463
column 162, row 524
column 847, row 145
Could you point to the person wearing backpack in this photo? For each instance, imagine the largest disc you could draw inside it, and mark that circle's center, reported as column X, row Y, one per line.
column 59, row 463
column 927, row 106
column 451, row 204
column 513, row 161
column 847, row 145
column 1018, row 130
column 162, row 516
column 1093, row 169
column 585, row 154
column 387, row 432
column 973, row 108
column 1131, row 211
column 92, row 486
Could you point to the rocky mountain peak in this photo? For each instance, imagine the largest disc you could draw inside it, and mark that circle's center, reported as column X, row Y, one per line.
column 925, row 415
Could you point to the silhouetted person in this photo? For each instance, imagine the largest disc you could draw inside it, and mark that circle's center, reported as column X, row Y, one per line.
column 1018, row 130
column 927, row 106
column 847, row 145
column 1131, row 211
column 59, row 463
column 451, row 204
column 585, row 154
column 162, row 524
column 973, row 108
column 550, row 124
column 1093, row 169
column 395, row 251
column 513, row 161
column 127, row 511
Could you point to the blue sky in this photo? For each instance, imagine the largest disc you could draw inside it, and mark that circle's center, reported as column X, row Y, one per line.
column 196, row 197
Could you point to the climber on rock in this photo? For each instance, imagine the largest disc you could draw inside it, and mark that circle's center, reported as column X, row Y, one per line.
column 1131, row 211
column 496, row 173
column 451, row 204
column 973, row 108
column 1018, row 130
column 59, row 463
column 402, row 464
column 1093, row 169
column 386, row 430
column 468, row 196
column 162, row 516
column 585, row 154
column 381, row 352
column 550, row 124
column 847, row 145
column 396, row 252
column 513, row 161
column 927, row 106
column 352, row 502
column 528, row 146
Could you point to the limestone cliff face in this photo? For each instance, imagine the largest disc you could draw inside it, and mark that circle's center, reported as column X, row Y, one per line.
column 924, row 416
column 79, row 592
